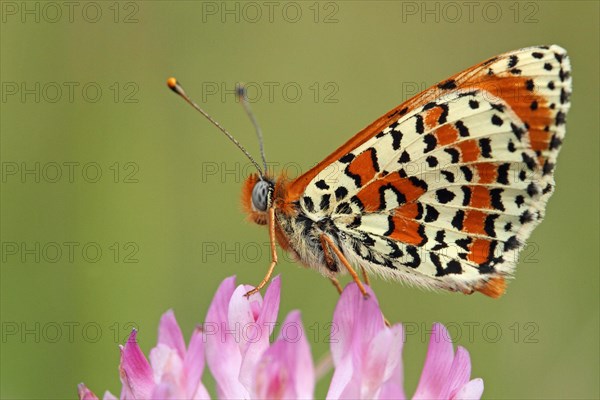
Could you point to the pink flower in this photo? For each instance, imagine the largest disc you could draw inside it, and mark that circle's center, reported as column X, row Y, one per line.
column 368, row 357
column 238, row 352
column 172, row 373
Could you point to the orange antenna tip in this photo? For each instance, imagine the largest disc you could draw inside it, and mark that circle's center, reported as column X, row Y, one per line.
column 172, row 82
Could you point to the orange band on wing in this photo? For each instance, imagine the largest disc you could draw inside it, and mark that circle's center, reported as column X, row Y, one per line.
column 475, row 222
column 363, row 166
column 407, row 231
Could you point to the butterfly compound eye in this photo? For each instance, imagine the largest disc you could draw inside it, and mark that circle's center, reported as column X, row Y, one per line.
column 260, row 195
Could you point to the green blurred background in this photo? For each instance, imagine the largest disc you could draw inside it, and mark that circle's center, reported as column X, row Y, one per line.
column 122, row 166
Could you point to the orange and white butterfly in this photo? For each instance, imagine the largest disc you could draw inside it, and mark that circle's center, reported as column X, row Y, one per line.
column 440, row 192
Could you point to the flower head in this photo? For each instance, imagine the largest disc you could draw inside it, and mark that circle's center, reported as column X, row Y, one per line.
column 234, row 340
column 368, row 357
column 173, row 372
column 239, row 354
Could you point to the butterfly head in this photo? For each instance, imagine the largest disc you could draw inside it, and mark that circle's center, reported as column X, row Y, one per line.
column 257, row 197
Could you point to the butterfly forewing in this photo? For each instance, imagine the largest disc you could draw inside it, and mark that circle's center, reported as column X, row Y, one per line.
column 444, row 190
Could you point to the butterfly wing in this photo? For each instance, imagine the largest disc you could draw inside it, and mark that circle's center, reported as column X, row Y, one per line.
column 444, row 190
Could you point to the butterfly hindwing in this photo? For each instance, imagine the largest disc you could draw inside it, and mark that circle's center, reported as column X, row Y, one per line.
column 446, row 194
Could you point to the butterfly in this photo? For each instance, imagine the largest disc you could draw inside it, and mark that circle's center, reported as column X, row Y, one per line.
column 441, row 192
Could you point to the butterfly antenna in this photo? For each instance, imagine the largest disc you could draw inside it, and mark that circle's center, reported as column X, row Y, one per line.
column 241, row 92
column 176, row 87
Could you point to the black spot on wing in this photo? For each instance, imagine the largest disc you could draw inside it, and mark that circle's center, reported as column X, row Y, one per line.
column 511, row 244
column 462, row 129
column 414, row 253
column 454, row 154
column 519, row 200
column 340, row 193
column 449, row 176
column 444, row 115
column 555, row 142
column 358, row 203
column 497, row 107
column 452, row 267
column 532, row 189
column 526, row 217
column 431, row 161
column 347, row 158
column 466, row 195
column 517, row 131
column 419, row 126
column 529, row 85
column 430, row 141
column 343, row 208
column 404, row 157
column 464, row 243
column 548, row 167
column 458, row 219
column 308, row 204
column 396, row 138
column 449, row 84
column 488, row 226
column 325, row 200
column 444, row 196
column 496, row 199
column 321, row 184
column 503, row 173
column 467, row 173
column 486, row 148
column 418, row 182
column 529, row 161
column 431, row 214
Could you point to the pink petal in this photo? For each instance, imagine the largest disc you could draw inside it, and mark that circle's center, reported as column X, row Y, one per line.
column 201, row 393
column 170, row 334
column 108, row 396
column 384, row 361
column 193, row 365
column 270, row 307
column 222, row 352
column 298, row 355
column 473, row 390
column 136, row 373
column 240, row 308
column 460, row 373
column 255, row 335
column 438, row 362
column 166, row 364
column 391, row 391
column 285, row 370
column 85, row 393
column 167, row 391
column 342, row 385
column 356, row 320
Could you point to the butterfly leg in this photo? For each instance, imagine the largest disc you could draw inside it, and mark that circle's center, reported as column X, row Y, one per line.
column 330, row 262
column 336, row 284
column 273, row 254
column 346, row 263
column 365, row 276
